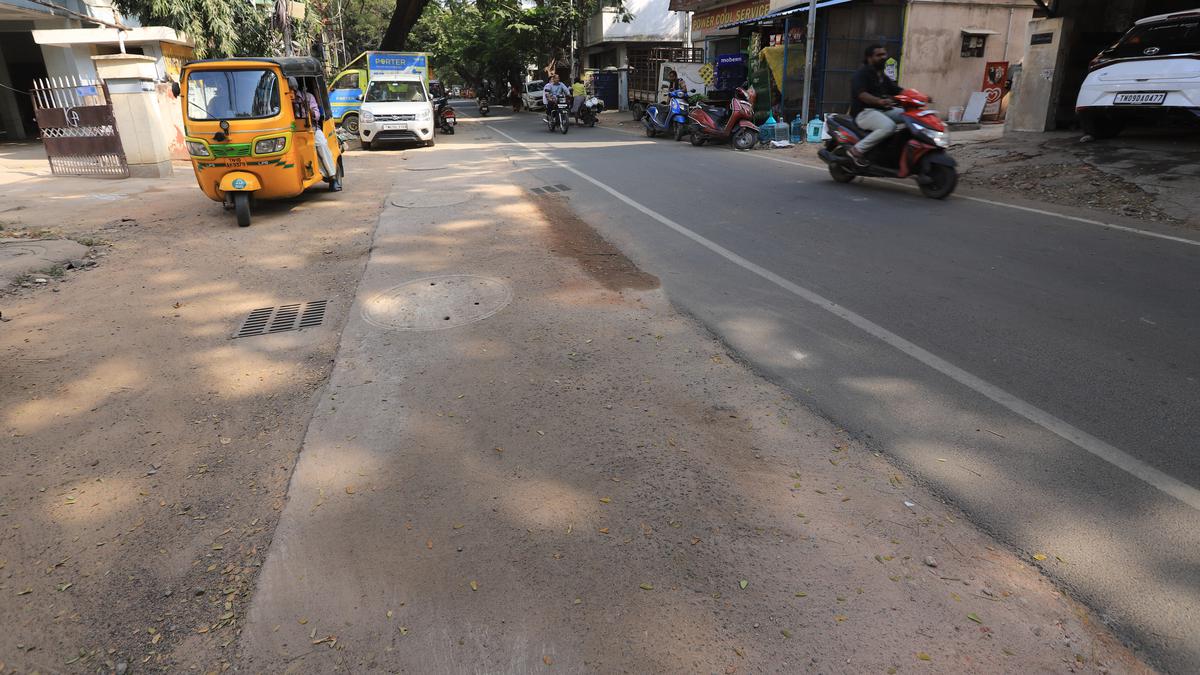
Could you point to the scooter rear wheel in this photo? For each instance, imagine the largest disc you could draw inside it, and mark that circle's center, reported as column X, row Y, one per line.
column 840, row 173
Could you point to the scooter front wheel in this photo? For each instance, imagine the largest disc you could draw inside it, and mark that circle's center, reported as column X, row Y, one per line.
column 744, row 139
column 678, row 131
column 942, row 181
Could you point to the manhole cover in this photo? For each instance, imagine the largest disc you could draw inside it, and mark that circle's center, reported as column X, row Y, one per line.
column 21, row 250
column 435, row 303
column 415, row 200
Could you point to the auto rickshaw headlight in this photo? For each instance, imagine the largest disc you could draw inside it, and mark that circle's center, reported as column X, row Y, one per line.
column 197, row 149
column 268, row 146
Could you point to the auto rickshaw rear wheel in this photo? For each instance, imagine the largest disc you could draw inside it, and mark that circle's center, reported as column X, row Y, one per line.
column 241, row 204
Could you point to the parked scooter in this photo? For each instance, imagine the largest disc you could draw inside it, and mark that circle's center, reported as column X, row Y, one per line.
column 671, row 118
column 589, row 111
column 917, row 150
column 710, row 123
column 447, row 119
column 558, row 114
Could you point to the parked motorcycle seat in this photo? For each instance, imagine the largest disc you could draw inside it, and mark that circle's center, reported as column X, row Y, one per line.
column 717, row 114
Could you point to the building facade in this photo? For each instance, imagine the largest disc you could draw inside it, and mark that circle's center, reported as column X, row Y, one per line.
column 607, row 40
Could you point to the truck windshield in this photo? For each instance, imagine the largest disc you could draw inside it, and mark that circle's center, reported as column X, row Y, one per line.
column 232, row 94
column 392, row 92
column 1163, row 39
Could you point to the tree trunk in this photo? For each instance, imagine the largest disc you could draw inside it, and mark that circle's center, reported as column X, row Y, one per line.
column 404, row 17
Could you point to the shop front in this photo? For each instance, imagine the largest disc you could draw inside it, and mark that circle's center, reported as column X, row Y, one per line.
column 776, row 49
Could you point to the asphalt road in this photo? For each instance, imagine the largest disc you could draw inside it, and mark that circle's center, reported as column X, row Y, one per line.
column 1041, row 373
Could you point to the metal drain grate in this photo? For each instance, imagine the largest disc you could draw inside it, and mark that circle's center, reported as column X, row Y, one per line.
column 266, row 320
column 549, row 189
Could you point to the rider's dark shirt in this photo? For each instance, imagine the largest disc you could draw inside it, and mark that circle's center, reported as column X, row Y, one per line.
column 872, row 81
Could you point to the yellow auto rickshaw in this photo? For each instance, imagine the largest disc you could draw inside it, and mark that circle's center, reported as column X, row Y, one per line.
column 259, row 128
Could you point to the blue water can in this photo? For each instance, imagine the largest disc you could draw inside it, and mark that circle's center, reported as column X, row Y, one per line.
column 815, row 127
column 798, row 130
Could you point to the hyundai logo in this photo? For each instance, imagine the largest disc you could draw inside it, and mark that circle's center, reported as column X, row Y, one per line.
column 1151, row 51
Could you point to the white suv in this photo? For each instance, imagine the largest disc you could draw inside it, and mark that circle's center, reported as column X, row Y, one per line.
column 1152, row 72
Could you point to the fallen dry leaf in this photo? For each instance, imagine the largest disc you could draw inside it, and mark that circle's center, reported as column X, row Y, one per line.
column 974, row 617
column 349, row 489
column 1039, row 556
column 547, row 660
column 604, row 530
column 646, row 587
column 743, row 583
column 695, row 540
column 474, row 585
column 605, row 500
column 429, row 544
column 923, row 656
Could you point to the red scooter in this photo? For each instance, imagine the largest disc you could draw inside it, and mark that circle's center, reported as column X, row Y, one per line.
column 917, row 151
column 710, row 123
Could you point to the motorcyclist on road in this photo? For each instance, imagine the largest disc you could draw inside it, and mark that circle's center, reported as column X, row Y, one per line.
column 553, row 88
column 871, row 104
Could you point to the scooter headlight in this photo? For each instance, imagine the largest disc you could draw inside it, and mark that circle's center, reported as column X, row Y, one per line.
column 366, row 116
column 939, row 138
column 269, row 146
column 197, row 149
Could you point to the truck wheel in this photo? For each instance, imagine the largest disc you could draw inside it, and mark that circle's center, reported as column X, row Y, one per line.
column 350, row 122
column 241, row 205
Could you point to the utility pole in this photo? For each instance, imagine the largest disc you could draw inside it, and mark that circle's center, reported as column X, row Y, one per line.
column 808, row 59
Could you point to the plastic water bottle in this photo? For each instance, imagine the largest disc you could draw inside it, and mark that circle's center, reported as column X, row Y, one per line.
column 798, row 130
column 781, row 131
column 815, row 127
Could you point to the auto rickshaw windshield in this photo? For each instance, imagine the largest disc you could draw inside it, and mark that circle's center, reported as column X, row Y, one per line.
column 232, row 94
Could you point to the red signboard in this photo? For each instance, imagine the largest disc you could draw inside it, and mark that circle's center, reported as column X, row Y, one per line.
column 995, row 85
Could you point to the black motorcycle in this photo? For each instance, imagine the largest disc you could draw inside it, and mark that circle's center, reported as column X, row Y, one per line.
column 445, row 116
column 558, row 114
column 589, row 111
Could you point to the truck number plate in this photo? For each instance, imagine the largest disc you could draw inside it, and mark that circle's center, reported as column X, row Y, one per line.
column 1141, row 98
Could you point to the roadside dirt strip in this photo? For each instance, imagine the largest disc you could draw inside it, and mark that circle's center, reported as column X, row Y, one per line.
column 526, row 460
column 145, row 454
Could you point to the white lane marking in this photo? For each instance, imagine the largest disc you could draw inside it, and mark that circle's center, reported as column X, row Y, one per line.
column 1150, row 475
column 1029, row 209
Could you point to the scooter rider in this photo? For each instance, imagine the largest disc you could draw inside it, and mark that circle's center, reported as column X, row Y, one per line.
column 872, row 105
column 553, row 88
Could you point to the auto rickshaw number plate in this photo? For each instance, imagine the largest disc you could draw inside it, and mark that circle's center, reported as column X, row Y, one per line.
column 436, row 303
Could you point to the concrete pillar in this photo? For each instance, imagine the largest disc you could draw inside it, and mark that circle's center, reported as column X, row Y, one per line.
column 141, row 122
column 10, row 114
column 1036, row 94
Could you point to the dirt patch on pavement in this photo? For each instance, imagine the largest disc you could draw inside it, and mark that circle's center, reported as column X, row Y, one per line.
column 570, row 236
column 146, row 454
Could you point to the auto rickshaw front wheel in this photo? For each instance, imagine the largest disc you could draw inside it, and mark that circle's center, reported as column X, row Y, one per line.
column 241, row 205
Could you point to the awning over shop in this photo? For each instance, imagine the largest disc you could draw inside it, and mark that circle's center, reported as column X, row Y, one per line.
column 783, row 13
